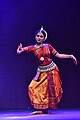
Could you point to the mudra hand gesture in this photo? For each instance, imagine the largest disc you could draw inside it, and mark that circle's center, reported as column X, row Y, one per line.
column 20, row 49
column 74, row 59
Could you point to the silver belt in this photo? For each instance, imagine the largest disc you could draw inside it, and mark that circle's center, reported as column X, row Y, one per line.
column 46, row 68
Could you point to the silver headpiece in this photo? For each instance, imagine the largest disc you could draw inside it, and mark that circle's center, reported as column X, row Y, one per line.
column 44, row 32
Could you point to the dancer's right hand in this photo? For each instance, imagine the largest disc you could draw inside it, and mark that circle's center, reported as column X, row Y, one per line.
column 19, row 49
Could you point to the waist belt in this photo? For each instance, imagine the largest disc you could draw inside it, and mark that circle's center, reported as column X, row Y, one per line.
column 46, row 68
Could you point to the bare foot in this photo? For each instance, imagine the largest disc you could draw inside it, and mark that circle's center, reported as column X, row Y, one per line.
column 36, row 112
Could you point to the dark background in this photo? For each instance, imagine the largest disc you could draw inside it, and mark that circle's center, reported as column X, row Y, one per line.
column 19, row 19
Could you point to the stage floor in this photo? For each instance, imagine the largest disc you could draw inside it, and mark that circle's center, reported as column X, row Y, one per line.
column 25, row 115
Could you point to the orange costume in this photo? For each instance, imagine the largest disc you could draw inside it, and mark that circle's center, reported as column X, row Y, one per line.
column 45, row 89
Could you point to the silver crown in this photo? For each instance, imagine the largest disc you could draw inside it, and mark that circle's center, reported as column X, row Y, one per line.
column 44, row 31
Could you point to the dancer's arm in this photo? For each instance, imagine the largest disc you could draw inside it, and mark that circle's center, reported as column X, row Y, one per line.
column 20, row 49
column 66, row 56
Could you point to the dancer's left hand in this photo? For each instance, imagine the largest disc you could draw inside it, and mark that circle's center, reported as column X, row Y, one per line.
column 74, row 59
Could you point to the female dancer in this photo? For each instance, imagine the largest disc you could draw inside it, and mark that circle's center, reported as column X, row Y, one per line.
column 45, row 89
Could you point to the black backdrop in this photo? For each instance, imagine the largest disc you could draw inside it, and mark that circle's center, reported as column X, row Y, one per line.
column 19, row 19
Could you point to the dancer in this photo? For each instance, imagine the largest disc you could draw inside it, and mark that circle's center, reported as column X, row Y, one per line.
column 45, row 89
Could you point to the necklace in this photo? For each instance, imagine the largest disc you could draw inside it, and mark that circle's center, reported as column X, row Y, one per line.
column 38, row 46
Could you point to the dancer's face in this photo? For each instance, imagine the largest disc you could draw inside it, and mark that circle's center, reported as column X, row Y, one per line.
column 39, row 37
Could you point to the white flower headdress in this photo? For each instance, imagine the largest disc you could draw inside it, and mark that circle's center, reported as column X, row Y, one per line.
column 44, row 32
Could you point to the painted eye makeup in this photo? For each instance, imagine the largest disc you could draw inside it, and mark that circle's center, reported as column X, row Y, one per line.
column 40, row 36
